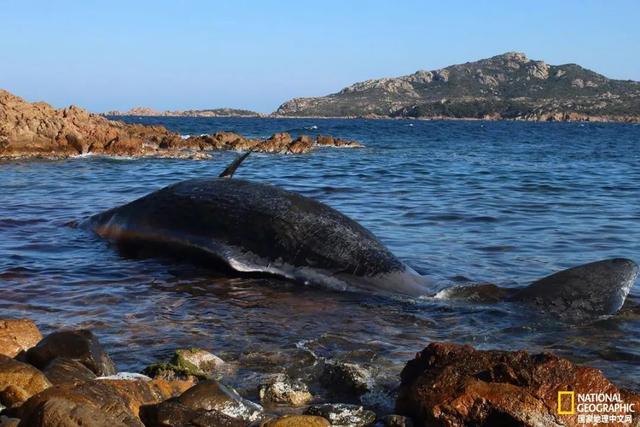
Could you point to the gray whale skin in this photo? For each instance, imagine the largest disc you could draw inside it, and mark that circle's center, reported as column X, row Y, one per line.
column 258, row 228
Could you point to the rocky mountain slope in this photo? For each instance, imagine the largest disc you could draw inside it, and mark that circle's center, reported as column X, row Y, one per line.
column 507, row 86
column 215, row 112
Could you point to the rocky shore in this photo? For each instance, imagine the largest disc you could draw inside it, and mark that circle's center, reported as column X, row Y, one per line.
column 37, row 130
column 67, row 379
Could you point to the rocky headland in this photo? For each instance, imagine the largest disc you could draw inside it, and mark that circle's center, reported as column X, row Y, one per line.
column 213, row 112
column 37, row 130
column 507, row 86
column 68, row 379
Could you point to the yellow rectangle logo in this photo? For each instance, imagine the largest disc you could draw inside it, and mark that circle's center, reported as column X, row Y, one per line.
column 565, row 397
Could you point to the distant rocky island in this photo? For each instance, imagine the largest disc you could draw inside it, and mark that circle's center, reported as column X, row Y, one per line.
column 507, row 86
column 215, row 112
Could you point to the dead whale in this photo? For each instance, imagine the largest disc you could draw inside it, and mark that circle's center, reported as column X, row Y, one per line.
column 258, row 228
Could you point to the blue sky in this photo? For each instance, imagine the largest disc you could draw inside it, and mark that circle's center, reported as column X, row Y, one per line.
column 256, row 54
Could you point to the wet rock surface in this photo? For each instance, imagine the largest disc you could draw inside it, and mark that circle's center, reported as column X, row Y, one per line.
column 195, row 364
column 19, row 381
column 456, row 385
column 343, row 378
column 79, row 345
column 341, row 414
column 208, row 403
column 281, row 389
column 17, row 335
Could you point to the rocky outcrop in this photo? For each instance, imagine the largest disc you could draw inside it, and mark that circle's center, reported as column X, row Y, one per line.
column 454, row 385
column 30, row 130
column 17, row 335
column 507, row 86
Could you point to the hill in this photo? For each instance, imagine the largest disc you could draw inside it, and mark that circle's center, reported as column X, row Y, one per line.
column 507, row 86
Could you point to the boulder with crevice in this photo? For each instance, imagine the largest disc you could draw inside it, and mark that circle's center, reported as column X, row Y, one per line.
column 455, row 385
column 79, row 345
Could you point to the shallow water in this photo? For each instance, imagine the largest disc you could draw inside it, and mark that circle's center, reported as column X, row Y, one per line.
column 501, row 202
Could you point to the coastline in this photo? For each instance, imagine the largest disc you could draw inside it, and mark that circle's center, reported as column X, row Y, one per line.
column 568, row 118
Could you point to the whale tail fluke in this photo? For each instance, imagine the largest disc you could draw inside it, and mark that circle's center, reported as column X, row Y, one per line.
column 230, row 170
column 589, row 290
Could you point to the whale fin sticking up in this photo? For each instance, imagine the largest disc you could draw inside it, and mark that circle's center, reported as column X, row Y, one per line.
column 230, row 170
column 589, row 290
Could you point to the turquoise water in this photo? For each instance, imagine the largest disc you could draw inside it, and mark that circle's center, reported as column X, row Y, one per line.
column 503, row 202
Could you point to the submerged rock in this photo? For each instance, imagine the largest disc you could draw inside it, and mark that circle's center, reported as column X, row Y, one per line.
column 396, row 421
column 96, row 403
column 17, row 335
column 191, row 363
column 208, row 403
column 297, row 421
column 19, row 381
column 342, row 414
column 284, row 390
column 456, row 385
column 343, row 378
column 79, row 345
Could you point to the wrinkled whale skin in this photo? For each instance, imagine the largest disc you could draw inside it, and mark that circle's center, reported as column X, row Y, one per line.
column 593, row 289
column 254, row 227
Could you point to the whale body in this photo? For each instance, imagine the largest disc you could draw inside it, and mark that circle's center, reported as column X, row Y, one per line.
column 259, row 228
column 251, row 227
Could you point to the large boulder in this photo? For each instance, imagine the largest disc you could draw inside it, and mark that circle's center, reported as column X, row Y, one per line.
column 19, row 381
column 17, row 335
column 96, row 403
column 456, row 385
column 79, row 345
column 208, row 403
column 62, row 371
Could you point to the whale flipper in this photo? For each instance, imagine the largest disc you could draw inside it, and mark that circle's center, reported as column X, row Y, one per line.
column 589, row 290
column 231, row 169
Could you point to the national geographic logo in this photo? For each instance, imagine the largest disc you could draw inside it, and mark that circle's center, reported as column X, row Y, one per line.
column 595, row 408
column 566, row 403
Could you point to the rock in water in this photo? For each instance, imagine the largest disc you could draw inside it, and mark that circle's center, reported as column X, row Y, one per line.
column 455, row 385
column 17, row 335
column 397, row 421
column 208, row 403
column 343, row 415
column 284, row 390
column 194, row 363
column 346, row 378
column 19, row 381
column 80, row 345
